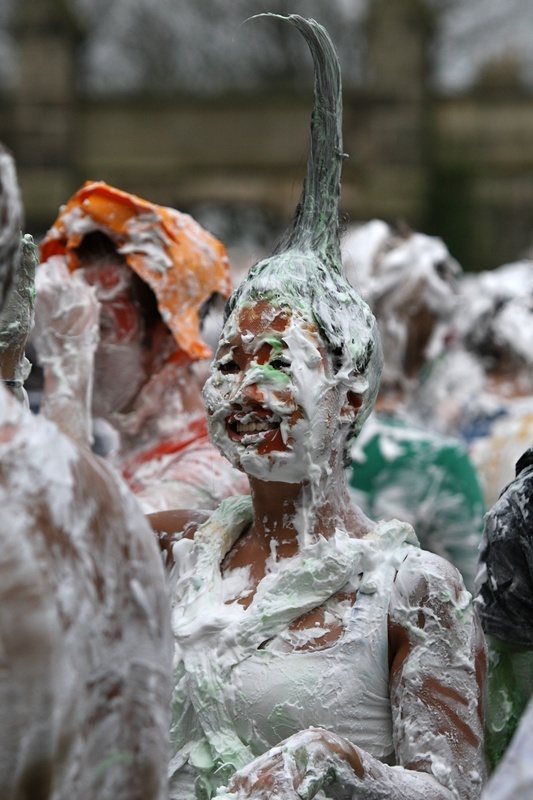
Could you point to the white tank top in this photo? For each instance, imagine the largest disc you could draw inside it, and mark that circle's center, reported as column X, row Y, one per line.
column 344, row 688
column 238, row 691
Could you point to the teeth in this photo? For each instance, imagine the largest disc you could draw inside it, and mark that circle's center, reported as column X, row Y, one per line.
column 253, row 427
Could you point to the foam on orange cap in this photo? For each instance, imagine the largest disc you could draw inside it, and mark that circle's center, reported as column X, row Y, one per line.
column 181, row 262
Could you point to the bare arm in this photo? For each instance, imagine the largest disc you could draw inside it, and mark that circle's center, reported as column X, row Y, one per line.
column 65, row 338
column 174, row 524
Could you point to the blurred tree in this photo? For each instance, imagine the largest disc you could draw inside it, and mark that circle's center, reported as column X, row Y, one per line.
column 205, row 46
column 197, row 45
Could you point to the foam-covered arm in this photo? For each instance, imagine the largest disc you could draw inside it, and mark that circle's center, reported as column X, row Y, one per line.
column 438, row 676
column 65, row 339
column 297, row 768
column 315, row 760
column 172, row 525
column 16, row 318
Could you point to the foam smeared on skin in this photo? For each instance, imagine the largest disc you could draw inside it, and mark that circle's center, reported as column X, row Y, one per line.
column 82, row 619
column 66, row 330
column 306, row 767
column 215, row 640
column 213, row 637
column 168, row 408
column 415, row 741
column 303, row 282
column 314, row 386
column 195, row 475
column 307, row 386
column 445, row 634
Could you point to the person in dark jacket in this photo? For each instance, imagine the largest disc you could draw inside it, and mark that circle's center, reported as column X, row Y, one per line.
column 505, row 601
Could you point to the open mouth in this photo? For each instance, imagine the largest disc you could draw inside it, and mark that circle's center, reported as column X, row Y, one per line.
column 250, row 428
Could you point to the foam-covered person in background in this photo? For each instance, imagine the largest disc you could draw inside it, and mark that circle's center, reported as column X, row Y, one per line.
column 479, row 384
column 317, row 652
column 410, row 280
column 505, row 598
column 402, row 466
column 154, row 271
column 85, row 640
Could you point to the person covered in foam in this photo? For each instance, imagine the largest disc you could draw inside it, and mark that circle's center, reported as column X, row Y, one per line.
column 479, row 384
column 402, row 466
column 317, row 653
column 130, row 361
column 85, row 639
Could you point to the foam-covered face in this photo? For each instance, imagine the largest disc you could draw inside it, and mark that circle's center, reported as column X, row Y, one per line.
column 119, row 370
column 272, row 400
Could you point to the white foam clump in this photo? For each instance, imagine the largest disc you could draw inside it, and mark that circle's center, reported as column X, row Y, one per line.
column 145, row 235
column 410, row 266
column 499, row 298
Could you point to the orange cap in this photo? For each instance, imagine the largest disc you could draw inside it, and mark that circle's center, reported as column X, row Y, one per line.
column 181, row 262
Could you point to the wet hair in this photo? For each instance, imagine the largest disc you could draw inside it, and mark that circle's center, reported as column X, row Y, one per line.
column 302, row 284
column 305, row 272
